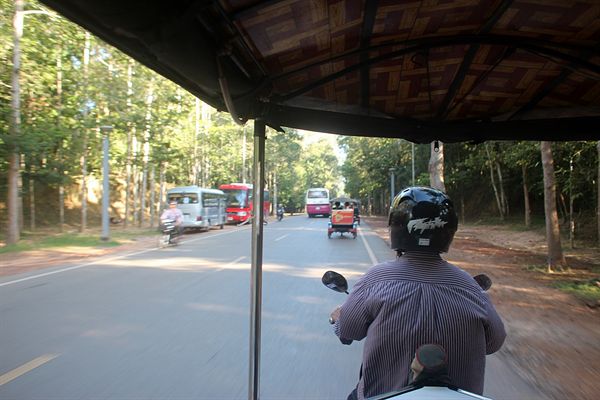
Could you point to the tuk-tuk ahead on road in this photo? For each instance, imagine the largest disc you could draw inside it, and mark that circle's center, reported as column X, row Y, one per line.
column 344, row 216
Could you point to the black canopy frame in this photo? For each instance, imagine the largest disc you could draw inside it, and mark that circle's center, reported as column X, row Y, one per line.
column 211, row 49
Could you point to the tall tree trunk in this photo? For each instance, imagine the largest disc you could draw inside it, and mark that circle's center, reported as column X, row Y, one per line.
column 436, row 166
column 563, row 208
column 135, row 179
column 84, row 152
column 61, row 210
column 83, row 193
column 498, row 200
column 21, row 191
column 526, row 197
column 205, row 151
column 61, row 161
column 161, row 196
column 13, row 233
column 143, row 187
column 127, row 179
column 503, row 199
column 275, row 194
column 556, row 259
column 130, row 134
column 197, row 132
column 152, row 197
column 31, row 190
column 571, row 219
column 146, row 149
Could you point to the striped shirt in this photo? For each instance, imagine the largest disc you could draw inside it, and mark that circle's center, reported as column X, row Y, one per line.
column 417, row 299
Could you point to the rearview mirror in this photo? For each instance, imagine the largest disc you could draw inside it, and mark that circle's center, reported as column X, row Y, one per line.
column 335, row 281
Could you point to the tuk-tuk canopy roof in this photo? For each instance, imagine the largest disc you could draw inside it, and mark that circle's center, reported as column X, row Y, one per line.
column 343, row 200
column 452, row 70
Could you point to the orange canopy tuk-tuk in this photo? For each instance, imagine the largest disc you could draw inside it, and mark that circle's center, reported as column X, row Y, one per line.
column 343, row 217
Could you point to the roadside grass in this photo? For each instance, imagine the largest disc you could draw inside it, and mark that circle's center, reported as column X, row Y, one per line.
column 542, row 269
column 573, row 281
column 588, row 291
column 44, row 239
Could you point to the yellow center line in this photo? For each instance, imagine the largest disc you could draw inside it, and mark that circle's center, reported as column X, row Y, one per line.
column 23, row 369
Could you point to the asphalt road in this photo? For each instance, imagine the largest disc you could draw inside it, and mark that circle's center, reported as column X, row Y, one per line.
column 173, row 323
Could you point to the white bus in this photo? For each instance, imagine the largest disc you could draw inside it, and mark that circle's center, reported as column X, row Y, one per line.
column 317, row 202
column 202, row 208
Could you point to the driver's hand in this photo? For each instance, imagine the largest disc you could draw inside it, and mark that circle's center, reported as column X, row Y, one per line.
column 335, row 315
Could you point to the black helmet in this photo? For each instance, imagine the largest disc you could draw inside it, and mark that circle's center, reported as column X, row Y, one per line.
column 422, row 218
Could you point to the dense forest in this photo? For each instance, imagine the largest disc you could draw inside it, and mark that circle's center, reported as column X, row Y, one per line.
column 62, row 90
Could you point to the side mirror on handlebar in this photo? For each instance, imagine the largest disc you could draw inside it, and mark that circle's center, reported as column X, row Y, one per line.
column 335, row 281
column 484, row 281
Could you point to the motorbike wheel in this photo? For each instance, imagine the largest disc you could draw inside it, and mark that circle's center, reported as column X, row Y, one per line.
column 163, row 241
column 174, row 239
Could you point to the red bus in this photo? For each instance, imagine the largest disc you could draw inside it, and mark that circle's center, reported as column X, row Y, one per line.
column 239, row 201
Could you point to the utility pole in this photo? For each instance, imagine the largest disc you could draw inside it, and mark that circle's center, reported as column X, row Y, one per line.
column 244, row 156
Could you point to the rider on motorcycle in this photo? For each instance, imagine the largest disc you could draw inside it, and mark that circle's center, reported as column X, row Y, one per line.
column 175, row 214
column 280, row 211
column 419, row 298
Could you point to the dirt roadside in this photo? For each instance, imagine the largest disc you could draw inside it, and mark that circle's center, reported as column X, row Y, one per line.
column 26, row 261
column 553, row 338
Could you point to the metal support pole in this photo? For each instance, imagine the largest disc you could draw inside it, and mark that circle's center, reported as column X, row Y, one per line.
column 105, row 183
column 257, row 258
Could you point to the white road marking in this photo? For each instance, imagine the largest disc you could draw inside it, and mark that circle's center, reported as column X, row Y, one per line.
column 23, row 369
column 237, row 260
column 103, row 260
column 229, row 264
column 282, row 237
column 369, row 250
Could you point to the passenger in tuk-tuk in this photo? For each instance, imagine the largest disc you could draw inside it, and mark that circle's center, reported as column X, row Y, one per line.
column 356, row 213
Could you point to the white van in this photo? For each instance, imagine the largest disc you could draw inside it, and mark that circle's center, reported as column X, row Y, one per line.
column 202, row 208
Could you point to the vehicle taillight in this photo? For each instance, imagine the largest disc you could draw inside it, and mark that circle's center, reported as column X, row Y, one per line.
column 199, row 218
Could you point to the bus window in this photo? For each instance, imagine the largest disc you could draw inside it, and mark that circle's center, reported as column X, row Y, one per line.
column 183, row 198
column 318, row 194
column 236, row 197
column 211, row 199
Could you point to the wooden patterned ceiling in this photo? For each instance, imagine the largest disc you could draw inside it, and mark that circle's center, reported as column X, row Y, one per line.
column 452, row 70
